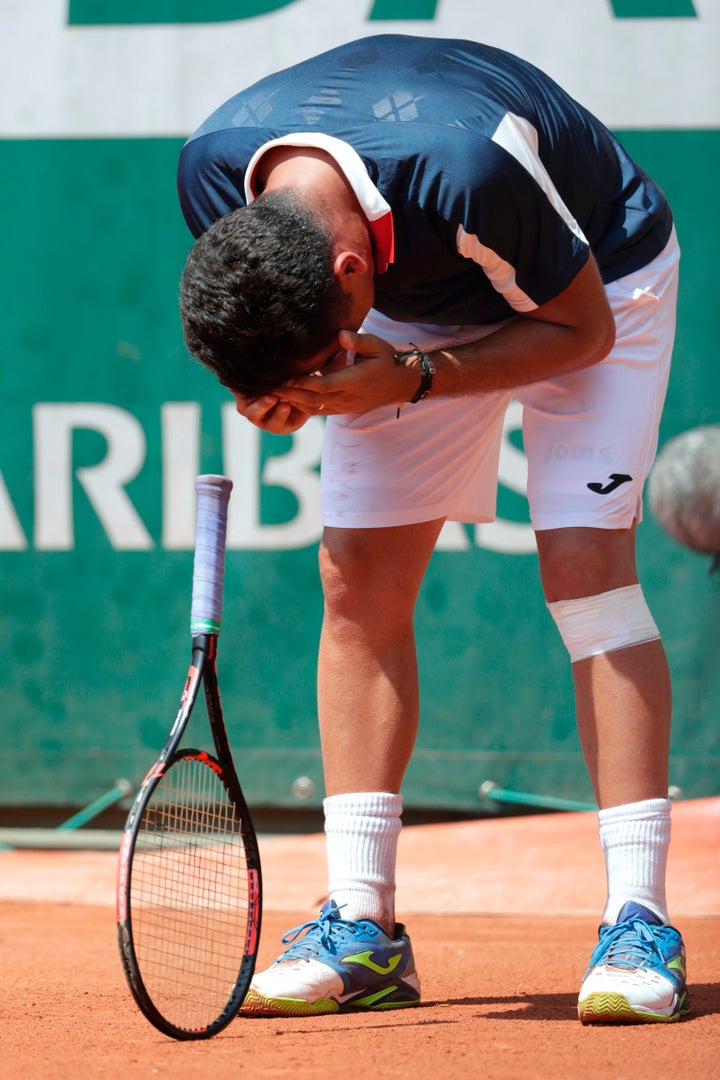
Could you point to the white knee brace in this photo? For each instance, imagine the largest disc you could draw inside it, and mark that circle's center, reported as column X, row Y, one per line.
column 599, row 624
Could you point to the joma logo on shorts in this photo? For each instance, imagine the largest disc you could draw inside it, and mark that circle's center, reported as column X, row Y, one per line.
column 616, row 479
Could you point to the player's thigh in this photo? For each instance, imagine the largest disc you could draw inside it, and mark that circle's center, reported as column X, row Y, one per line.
column 591, row 436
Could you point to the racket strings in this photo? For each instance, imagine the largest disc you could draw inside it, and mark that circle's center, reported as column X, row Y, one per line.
column 190, row 895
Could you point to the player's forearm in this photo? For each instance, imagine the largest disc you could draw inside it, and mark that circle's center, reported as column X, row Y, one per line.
column 523, row 351
column 569, row 332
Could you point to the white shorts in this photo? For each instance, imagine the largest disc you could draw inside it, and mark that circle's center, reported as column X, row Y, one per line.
column 590, row 437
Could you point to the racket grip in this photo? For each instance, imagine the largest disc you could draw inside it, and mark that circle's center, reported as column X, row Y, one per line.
column 213, row 495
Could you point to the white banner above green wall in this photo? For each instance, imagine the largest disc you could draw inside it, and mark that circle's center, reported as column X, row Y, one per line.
column 94, row 68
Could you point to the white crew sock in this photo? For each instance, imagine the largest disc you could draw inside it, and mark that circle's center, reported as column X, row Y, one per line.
column 361, row 831
column 635, row 839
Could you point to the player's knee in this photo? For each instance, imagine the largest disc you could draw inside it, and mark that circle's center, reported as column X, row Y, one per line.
column 585, row 562
column 357, row 590
column 338, row 575
column 612, row 620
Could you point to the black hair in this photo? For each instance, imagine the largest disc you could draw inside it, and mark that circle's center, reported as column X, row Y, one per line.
column 258, row 293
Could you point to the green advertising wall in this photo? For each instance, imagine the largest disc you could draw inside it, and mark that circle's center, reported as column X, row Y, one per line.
column 106, row 421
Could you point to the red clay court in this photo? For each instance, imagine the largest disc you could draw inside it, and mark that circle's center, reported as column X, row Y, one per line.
column 502, row 913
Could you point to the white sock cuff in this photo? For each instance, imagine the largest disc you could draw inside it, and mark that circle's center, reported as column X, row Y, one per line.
column 645, row 810
column 364, row 803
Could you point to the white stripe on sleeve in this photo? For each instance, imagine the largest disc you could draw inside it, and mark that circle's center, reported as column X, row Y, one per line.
column 520, row 139
column 499, row 272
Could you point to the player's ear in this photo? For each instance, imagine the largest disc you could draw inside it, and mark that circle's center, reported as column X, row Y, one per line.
column 348, row 267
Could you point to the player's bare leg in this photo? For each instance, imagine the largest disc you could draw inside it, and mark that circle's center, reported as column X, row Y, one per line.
column 623, row 698
column 623, row 702
column 367, row 672
column 354, row 956
column 368, row 704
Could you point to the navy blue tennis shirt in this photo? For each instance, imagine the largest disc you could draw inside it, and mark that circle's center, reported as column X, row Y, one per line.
column 485, row 183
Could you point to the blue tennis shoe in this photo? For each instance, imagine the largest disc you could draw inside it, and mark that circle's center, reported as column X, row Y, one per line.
column 636, row 972
column 336, row 965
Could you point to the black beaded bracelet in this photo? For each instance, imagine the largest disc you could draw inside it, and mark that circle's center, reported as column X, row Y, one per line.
column 427, row 370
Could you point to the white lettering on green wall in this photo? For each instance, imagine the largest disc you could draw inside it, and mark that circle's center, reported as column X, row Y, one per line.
column 104, row 483
column 58, row 480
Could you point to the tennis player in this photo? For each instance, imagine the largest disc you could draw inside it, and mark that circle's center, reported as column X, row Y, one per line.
column 399, row 235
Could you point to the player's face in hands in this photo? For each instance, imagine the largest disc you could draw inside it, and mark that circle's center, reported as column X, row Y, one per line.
column 325, row 362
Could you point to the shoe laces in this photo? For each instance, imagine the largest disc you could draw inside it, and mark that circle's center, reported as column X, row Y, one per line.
column 326, row 932
column 634, row 944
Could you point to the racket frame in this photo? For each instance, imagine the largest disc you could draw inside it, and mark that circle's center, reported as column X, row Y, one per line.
column 202, row 671
column 213, row 493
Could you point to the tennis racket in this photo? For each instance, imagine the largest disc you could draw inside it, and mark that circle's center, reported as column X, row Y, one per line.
column 189, row 888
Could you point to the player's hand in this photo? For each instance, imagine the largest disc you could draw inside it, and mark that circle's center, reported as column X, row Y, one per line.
column 271, row 414
column 373, row 379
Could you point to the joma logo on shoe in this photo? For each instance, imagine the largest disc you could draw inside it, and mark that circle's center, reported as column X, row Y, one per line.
column 366, row 960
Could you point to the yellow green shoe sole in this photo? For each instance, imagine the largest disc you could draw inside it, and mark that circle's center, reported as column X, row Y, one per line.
column 613, row 1008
